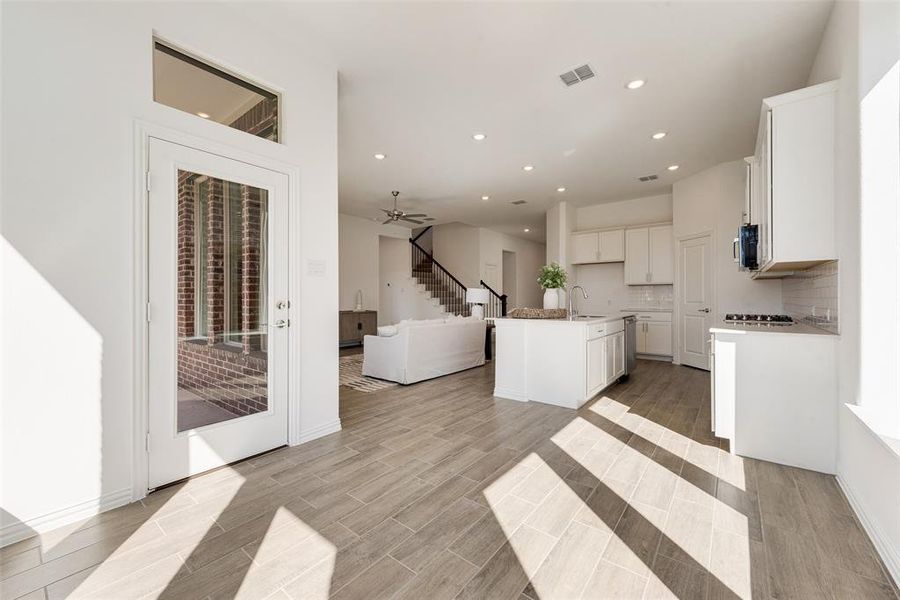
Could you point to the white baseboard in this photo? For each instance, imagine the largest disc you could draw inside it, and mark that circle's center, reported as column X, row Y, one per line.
column 509, row 394
column 15, row 532
column 888, row 554
column 307, row 435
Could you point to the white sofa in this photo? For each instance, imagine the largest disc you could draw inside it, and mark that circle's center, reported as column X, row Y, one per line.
column 420, row 350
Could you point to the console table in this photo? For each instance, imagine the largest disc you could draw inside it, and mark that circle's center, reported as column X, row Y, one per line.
column 355, row 324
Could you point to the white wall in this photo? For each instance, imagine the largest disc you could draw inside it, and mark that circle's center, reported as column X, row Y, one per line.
column 529, row 259
column 456, row 247
column 398, row 295
column 560, row 223
column 637, row 211
column 75, row 77
column 860, row 47
column 358, row 259
column 712, row 200
column 471, row 253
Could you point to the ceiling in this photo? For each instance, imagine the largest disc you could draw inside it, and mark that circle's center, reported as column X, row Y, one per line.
column 418, row 79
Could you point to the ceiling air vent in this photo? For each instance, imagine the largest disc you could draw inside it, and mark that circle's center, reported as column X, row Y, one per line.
column 577, row 75
column 517, row 202
column 646, row 178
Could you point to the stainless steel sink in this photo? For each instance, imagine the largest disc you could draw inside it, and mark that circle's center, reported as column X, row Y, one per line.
column 586, row 317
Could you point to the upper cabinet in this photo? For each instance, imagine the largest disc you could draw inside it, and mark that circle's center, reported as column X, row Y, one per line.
column 649, row 256
column 791, row 180
column 598, row 246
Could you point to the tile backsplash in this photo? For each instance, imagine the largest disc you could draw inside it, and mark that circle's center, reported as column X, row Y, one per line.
column 811, row 296
column 650, row 296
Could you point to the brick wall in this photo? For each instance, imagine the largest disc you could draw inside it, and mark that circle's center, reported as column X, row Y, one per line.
column 186, row 254
column 230, row 376
column 226, row 377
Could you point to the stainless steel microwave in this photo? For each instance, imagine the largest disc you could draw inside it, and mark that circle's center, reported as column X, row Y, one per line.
column 745, row 248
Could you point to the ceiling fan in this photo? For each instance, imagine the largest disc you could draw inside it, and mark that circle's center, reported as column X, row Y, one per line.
column 399, row 215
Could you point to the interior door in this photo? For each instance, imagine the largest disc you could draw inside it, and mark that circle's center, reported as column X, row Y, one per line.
column 217, row 311
column 696, row 304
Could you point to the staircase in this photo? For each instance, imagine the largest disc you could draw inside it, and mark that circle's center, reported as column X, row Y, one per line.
column 448, row 293
column 443, row 289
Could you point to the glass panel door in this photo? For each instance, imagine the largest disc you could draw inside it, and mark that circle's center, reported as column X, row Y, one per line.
column 222, row 303
column 218, row 308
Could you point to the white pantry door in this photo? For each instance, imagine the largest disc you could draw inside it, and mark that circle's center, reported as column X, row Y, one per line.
column 696, row 305
column 217, row 311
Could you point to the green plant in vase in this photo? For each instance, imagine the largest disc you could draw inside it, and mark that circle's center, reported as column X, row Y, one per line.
column 551, row 278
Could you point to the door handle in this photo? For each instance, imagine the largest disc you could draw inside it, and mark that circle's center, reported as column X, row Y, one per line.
column 703, row 310
column 282, row 323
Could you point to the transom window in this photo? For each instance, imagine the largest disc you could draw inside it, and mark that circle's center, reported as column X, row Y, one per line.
column 194, row 86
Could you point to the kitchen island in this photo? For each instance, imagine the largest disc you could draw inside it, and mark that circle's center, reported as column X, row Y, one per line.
column 565, row 362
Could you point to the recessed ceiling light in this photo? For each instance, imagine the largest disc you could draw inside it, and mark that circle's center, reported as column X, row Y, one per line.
column 527, row 230
column 478, row 136
column 637, row 83
column 485, row 198
column 380, row 156
column 673, row 167
column 203, row 115
column 560, row 189
column 659, row 135
column 528, row 168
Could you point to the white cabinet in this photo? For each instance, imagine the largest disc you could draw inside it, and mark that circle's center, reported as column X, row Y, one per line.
column 596, row 365
column 662, row 260
column 612, row 245
column 637, row 256
column 795, row 192
column 598, row 246
column 649, row 256
column 653, row 334
column 615, row 356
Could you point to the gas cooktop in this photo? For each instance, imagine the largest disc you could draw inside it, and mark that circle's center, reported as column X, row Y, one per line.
column 759, row 319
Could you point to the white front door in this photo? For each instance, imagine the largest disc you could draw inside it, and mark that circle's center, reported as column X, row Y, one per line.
column 696, row 304
column 218, row 311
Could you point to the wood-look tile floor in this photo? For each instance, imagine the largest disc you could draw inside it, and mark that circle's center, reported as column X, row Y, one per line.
column 438, row 490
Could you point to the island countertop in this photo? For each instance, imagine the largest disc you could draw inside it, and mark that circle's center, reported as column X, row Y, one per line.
column 579, row 320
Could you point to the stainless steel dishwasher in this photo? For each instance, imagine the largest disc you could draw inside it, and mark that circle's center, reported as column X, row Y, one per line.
column 630, row 341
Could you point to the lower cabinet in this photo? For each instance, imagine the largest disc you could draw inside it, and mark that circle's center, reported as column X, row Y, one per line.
column 605, row 361
column 653, row 334
column 596, row 364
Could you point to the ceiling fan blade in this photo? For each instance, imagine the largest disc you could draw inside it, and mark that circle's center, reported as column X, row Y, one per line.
column 385, row 211
column 415, row 215
column 411, row 220
column 387, row 221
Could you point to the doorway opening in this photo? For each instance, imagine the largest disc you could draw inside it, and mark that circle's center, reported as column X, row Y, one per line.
column 509, row 279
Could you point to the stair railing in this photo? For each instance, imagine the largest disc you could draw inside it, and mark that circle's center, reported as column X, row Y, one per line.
column 496, row 306
column 449, row 290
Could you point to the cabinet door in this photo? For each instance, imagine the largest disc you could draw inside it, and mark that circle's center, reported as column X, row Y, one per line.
column 764, row 250
column 662, row 263
column 659, row 338
column 619, row 362
column 585, row 248
column 610, row 359
column 637, row 256
column 612, row 245
column 640, row 337
column 596, row 364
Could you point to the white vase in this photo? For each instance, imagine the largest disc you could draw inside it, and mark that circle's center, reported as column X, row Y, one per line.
column 551, row 298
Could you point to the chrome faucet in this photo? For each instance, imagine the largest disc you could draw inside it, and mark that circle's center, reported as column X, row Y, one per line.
column 571, row 300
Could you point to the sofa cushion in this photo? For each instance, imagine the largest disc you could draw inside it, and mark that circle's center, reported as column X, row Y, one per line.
column 388, row 330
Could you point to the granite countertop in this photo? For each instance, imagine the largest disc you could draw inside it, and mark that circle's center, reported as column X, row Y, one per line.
column 580, row 320
column 796, row 329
